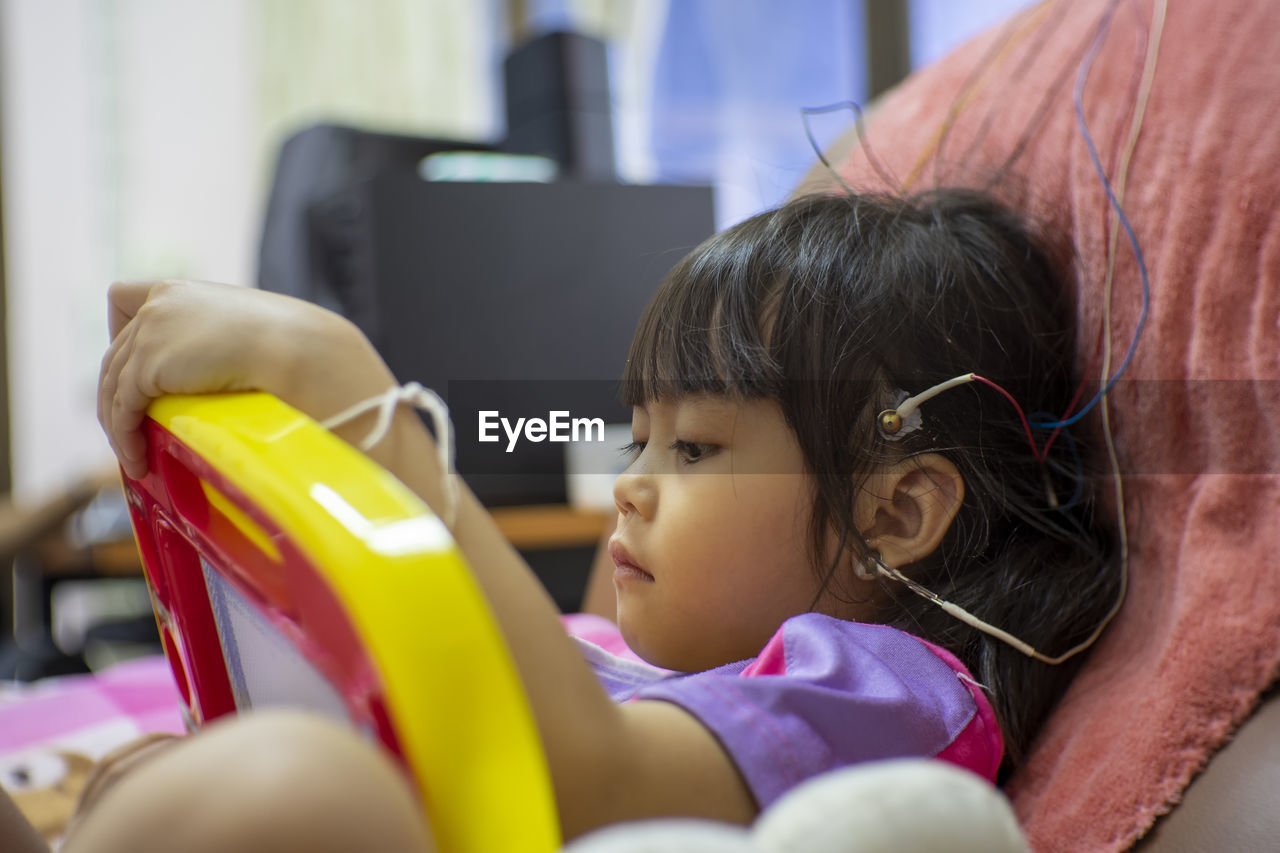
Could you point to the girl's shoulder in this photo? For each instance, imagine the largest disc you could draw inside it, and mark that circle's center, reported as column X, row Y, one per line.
column 810, row 647
column 833, row 649
column 882, row 664
column 826, row 693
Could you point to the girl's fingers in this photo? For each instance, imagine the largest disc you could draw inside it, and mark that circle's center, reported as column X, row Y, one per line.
column 124, row 298
column 192, row 338
column 112, row 360
column 134, row 391
column 116, row 358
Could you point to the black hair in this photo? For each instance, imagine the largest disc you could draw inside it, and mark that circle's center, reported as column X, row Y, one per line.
column 833, row 306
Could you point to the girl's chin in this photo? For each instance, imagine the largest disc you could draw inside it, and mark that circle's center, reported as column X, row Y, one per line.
column 635, row 639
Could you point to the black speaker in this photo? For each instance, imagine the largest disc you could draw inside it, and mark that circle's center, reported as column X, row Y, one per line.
column 558, row 104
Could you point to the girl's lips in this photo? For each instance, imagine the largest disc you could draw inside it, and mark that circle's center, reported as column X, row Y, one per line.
column 625, row 566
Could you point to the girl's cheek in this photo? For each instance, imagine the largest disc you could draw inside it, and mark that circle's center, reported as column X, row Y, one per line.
column 704, row 515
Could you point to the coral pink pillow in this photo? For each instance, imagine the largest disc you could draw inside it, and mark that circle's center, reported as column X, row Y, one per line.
column 1198, row 430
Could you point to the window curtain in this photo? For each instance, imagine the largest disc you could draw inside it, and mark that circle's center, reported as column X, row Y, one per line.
column 139, row 136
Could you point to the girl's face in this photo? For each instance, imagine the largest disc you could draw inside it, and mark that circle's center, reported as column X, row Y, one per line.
column 712, row 548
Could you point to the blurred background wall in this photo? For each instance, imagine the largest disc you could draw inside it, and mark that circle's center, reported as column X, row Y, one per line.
column 138, row 136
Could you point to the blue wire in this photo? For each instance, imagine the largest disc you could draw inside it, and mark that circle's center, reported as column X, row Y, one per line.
column 1103, row 27
column 858, row 122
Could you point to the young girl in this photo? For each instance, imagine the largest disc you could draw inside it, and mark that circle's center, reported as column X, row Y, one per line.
column 826, row 550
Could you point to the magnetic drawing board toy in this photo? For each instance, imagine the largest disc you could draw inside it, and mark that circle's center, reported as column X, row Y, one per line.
column 288, row 569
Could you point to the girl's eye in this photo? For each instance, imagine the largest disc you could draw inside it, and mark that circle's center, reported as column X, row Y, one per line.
column 692, row 452
column 632, row 450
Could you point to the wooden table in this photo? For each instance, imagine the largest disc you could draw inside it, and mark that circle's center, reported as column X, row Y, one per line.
column 529, row 528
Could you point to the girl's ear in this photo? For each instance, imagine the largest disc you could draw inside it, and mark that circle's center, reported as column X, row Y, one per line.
column 905, row 509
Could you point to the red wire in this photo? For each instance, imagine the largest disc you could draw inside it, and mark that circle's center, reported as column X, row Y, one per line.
column 1041, row 454
column 1021, row 415
column 1071, row 407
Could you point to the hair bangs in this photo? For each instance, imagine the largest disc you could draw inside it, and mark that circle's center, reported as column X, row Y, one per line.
column 705, row 331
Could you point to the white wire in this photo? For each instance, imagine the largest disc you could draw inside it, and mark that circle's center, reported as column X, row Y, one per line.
column 968, row 618
column 908, row 407
column 422, row 398
column 910, row 404
column 1154, row 37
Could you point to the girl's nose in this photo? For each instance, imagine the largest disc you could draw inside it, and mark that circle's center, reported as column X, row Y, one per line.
column 634, row 492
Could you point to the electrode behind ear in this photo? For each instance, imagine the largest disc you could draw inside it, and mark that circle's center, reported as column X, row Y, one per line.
column 895, row 423
column 905, row 417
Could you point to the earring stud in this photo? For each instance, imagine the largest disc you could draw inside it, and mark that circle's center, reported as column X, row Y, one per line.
column 866, row 572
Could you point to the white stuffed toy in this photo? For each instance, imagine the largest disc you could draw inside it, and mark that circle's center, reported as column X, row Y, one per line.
column 900, row 806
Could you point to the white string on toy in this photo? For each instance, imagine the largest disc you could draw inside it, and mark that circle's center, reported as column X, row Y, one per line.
column 419, row 397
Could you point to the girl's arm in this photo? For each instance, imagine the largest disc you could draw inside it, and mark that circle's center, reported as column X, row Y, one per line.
column 608, row 762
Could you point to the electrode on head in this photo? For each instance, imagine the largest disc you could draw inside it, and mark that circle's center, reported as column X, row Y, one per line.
column 890, row 421
column 905, row 417
column 902, row 419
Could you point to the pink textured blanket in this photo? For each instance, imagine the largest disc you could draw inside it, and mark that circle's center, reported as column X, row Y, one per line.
column 1199, row 636
column 54, row 731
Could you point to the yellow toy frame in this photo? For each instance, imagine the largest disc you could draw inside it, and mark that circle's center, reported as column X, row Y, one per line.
column 248, row 498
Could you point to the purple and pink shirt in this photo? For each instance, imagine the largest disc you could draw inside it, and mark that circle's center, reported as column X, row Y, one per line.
column 822, row 694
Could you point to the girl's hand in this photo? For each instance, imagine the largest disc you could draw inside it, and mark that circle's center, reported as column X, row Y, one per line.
column 172, row 337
